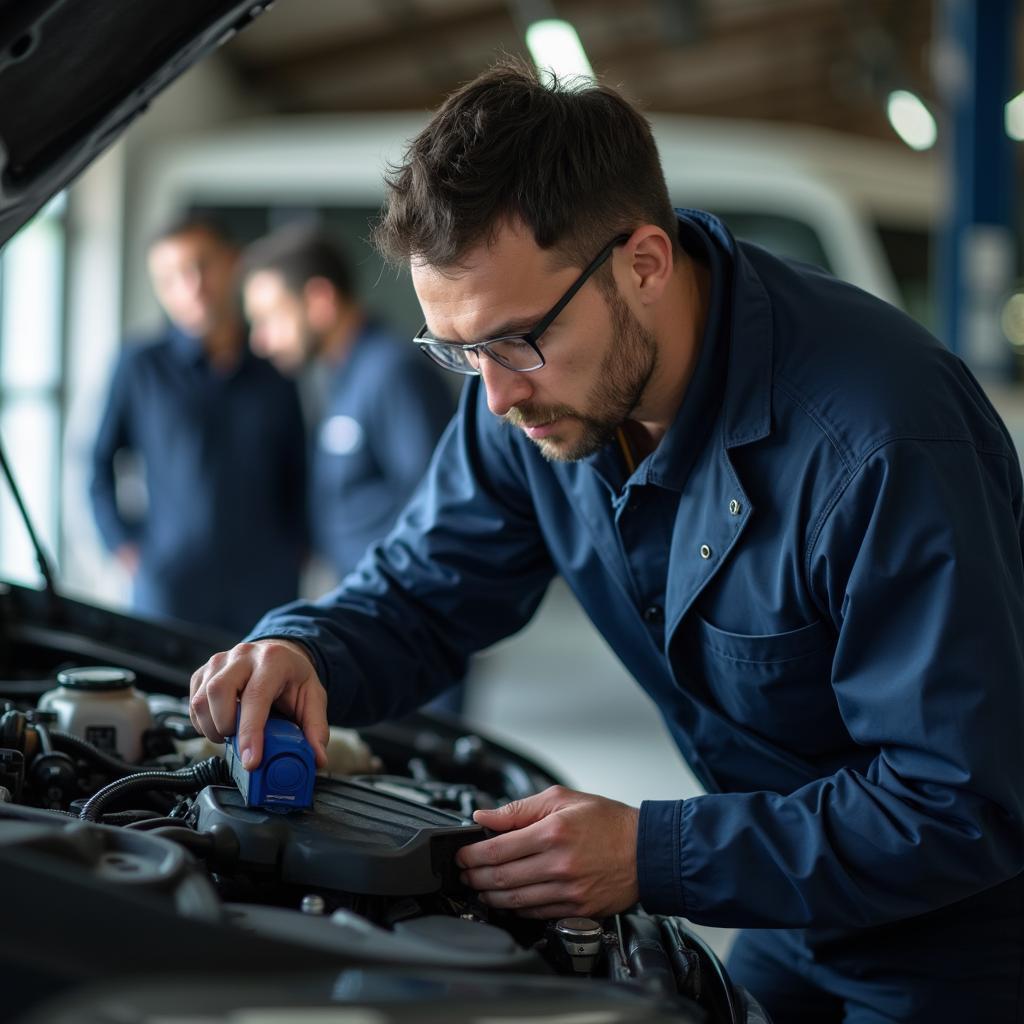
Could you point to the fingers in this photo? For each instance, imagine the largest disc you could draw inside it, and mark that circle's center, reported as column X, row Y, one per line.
column 259, row 676
column 554, row 865
column 283, row 678
column 303, row 698
column 515, row 874
column 311, row 714
column 525, row 842
column 214, row 698
column 529, row 898
column 520, row 813
column 254, row 711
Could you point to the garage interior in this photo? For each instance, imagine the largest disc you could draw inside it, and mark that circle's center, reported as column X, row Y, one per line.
column 797, row 91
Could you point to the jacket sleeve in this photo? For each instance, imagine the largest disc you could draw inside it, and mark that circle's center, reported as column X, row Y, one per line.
column 464, row 566
column 918, row 565
column 115, row 433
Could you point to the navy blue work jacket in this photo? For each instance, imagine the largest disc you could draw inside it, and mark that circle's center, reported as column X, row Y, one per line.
column 386, row 408
column 839, row 653
column 224, row 456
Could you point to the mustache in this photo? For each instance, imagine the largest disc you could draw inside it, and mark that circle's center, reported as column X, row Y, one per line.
column 529, row 416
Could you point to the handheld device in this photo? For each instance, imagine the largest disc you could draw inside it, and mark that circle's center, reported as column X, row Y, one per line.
column 283, row 781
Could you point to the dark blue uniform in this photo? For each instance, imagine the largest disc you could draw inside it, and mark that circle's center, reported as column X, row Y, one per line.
column 818, row 577
column 224, row 454
column 385, row 409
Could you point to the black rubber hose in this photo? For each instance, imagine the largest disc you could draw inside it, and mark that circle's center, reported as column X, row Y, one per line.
column 89, row 752
column 199, row 843
column 211, row 772
column 717, row 990
column 147, row 824
column 648, row 961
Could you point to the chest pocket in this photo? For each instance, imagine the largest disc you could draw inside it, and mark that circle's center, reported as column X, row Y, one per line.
column 777, row 684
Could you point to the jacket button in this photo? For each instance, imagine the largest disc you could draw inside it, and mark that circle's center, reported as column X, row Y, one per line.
column 734, row 507
column 654, row 615
column 705, row 551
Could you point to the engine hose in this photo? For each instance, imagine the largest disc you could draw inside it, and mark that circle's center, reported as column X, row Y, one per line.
column 717, row 990
column 200, row 843
column 147, row 824
column 211, row 772
column 127, row 817
column 648, row 961
column 89, row 752
column 218, row 846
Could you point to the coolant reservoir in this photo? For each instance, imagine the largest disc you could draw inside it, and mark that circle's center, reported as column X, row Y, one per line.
column 100, row 705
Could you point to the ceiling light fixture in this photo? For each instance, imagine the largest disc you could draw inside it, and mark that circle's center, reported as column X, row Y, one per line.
column 1014, row 117
column 911, row 119
column 555, row 48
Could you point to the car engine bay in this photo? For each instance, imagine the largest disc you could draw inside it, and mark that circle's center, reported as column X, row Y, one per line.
column 126, row 826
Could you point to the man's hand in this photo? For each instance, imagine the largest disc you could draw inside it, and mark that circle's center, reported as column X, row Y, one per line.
column 268, row 674
column 566, row 854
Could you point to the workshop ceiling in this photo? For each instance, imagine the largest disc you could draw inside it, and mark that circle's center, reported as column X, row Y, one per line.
column 820, row 62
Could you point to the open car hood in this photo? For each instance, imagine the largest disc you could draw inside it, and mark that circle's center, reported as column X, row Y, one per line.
column 74, row 74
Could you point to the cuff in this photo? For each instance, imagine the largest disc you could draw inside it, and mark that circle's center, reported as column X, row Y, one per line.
column 658, row 841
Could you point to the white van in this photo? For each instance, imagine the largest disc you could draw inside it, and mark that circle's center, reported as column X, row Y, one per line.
column 861, row 209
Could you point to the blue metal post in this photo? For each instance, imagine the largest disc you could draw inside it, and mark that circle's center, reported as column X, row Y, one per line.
column 977, row 257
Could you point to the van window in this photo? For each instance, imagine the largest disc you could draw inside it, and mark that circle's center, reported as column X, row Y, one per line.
column 783, row 236
column 909, row 251
column 385, row 291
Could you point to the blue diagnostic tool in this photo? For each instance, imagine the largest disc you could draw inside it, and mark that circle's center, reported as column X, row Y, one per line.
column 284, row 779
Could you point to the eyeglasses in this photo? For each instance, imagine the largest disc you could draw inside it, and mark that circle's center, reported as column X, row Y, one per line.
column 518, row 352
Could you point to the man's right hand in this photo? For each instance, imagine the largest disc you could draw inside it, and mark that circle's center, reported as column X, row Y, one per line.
column 267, row 674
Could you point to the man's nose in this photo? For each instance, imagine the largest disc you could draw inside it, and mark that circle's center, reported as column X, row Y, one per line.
column 505, row 388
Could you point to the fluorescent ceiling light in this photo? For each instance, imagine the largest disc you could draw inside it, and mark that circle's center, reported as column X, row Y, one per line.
column 911, row 119
column 556, row 47
column 1015, row 118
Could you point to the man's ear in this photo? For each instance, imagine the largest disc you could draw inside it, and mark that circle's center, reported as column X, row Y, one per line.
column 650, row 263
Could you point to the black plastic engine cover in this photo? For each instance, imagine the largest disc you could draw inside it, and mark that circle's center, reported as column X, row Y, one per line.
column 355, row 839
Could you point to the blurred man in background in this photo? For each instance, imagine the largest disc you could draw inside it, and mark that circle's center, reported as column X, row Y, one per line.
column 220, row 437
column 375, row 406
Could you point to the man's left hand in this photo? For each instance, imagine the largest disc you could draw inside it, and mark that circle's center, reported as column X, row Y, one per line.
column 565, row 854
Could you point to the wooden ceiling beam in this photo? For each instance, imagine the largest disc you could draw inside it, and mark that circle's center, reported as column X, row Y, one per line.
column 394, row 42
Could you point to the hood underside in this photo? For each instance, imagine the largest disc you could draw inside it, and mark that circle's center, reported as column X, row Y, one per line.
column 74, row 73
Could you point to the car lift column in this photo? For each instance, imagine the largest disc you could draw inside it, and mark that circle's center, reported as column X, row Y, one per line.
column 977, row 255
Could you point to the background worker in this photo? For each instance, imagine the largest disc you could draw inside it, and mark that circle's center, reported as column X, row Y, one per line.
column 221, row 441
column 375, row 406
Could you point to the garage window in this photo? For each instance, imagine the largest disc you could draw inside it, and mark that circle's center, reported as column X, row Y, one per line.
column 31, row 355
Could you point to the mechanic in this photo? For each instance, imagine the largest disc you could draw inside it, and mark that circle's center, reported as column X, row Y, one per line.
column 221, row 440
column 367, row 455
column 791, row 512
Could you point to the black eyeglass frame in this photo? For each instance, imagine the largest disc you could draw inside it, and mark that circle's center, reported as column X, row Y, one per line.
column 431, row 347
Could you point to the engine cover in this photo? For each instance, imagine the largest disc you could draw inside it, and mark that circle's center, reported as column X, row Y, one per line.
column 355, row 839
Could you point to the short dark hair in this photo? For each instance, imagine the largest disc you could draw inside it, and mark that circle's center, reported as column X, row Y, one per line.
column 575, row 162
column 186, row 223
column 299, row 253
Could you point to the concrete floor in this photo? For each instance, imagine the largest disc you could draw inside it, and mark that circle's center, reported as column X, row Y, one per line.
column 557, row 692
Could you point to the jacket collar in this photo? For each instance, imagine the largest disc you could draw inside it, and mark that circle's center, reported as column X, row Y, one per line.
column 748, row 388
